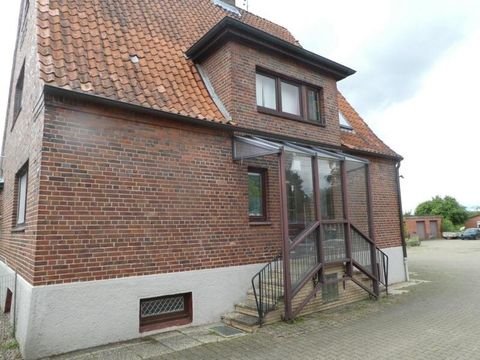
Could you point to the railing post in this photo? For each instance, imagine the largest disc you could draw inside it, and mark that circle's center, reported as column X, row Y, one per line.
column 371, row 231
column 318, row 216
column 286, row 241
column 346, row 215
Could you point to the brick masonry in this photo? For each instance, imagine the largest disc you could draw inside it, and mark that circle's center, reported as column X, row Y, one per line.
column 232, row 72
column 22, row 143
column 115, row 194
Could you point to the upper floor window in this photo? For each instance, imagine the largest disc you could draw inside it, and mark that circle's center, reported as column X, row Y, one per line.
column 266, row 92
column 288, row 98
column 17, row 102
column 21, row 196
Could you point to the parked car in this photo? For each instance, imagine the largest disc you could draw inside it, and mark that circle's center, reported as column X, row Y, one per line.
column 471, row 234
column 451, row 235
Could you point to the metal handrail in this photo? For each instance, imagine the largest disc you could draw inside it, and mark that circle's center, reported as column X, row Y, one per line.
column 382, row 261
column 382, row 257
column 267, row 287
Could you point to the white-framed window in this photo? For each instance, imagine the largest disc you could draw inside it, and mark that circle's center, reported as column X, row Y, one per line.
column 290, row 98
column 21, row 196
column 266, row 92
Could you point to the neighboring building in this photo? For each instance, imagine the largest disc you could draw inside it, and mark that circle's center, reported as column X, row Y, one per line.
column 425, row 227
column 473, row 222
column 158, row 155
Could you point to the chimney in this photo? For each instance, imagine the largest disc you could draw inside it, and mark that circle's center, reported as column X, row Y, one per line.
column 229, row 2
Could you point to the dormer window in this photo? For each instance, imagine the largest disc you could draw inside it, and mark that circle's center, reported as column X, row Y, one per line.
column 344, row 124
column 266, row 92
column 288, row 98
column 313, row 105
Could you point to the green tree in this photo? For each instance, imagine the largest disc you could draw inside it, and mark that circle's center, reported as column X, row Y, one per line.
column 448, row 207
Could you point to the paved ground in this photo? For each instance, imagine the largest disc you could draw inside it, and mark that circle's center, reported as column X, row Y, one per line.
column 437, row 319
column 8, row 345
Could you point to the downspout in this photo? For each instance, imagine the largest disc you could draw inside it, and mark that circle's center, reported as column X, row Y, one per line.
column 400, row 212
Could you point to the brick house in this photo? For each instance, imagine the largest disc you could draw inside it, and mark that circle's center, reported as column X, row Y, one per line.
column 157, row 159
column 473, row 222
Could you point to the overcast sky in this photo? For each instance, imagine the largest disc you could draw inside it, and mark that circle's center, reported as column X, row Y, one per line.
column 416, row 81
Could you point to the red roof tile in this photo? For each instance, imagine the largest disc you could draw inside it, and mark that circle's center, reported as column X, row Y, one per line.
column 86, row 45
column 362, row 137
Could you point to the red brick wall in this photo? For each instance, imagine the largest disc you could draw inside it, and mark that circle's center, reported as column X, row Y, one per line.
column 385, row 203
column 22, row 143
column 472, row 223
column 240, row 98
column 122, row 197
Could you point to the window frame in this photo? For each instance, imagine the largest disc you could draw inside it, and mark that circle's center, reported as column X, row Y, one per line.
column 303, row 99
column 20, row 173
column 319, row 93
column 167, row 320
column 18, row 95
column 263, row 175
column 275, row 87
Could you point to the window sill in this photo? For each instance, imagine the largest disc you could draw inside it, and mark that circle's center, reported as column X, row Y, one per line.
column 271, row 112
column 19, row 229
column 166, row 324
column 260, row 223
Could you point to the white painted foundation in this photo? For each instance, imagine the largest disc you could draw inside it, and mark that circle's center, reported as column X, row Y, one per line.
column 61, row 318
column 398, row 271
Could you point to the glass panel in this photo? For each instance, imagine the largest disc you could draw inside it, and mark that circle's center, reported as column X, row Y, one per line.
column 290, row 98
column 300, row 197
column 361, row 251
column 343, row 121
column 303, row 258
column 334, row 242
column 22, row 198
column 245, row 148
column 313, row 105
column 330, row 289
column 331, row 196
column 266, row 95
column 255, row 194
column 358, row 195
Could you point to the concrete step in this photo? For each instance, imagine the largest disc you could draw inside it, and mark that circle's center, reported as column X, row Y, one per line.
column 240, row 321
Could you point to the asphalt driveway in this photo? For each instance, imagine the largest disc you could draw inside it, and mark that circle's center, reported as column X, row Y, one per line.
column 436, row 319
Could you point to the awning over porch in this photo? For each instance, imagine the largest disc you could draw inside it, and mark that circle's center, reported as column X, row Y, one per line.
column 247, row 147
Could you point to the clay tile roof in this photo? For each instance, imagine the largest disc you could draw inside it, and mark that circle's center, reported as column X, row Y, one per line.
column 87, row 45
column 362, row 137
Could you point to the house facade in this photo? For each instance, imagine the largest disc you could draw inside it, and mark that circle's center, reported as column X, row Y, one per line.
column 473, row 222
column 157, row 159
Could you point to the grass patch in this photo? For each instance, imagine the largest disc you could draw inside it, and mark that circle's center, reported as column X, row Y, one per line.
column 9, row 345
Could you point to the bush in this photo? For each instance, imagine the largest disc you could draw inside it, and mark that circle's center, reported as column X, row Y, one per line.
column 413, row 241
column 447, row 226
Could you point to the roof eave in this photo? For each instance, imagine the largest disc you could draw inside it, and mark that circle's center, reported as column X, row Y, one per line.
column 229, row 28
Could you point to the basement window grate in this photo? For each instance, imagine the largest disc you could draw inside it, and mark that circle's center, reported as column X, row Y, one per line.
column 165, row 311
column 163, row 305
